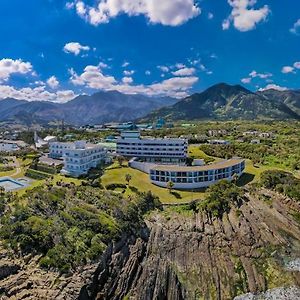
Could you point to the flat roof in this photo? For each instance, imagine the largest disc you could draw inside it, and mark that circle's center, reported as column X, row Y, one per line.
column 213, row 166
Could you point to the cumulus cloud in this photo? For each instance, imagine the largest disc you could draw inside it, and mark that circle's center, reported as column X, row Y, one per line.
column 167, row 12
column 296, row 27
column 297, row 65
column 75, row 48
column 127, row 80
column 35, row 94
column 164, row 69
column 273, row 87
column 93, row 77
column 244, row 16
column 255, row 74
column 128, row 72
column 184, row 72
column 210, row 16
column 246, row 80
column 9, row 66
column 53, row 82
column 287, row 69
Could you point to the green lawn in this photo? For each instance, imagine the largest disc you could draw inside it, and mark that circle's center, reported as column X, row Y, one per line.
column 141, row 181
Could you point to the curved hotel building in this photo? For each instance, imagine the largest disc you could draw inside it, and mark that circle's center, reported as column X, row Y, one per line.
column 195, row 177
column 165, row 160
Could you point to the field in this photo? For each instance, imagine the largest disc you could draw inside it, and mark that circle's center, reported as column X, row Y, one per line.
column 140, row 180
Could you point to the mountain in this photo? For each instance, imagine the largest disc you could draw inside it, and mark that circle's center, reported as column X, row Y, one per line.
column 98, row 108
column 290, row 98
column 226, row 102
column 111, row 106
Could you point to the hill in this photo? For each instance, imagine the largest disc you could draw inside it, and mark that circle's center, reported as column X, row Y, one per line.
column 226, row 102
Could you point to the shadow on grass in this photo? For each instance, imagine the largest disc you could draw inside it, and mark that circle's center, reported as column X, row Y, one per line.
column 176, row 195
column 245, row 179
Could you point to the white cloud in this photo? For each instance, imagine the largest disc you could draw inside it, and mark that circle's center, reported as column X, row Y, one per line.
column 103, row 65
column 125, row 64
column 127, row 80
column 287, row 69
column 296, row 27
column 255, row 74
column 184, row 72
column 9, row 66
column 180, row 65
column 53, row 82
column 246, row 80
column 166, row 12
column 243, row 16
column 225, row 24
column 70, row 5
column 297, row 65
column 128, row 72
column 164, row 69
column 273, row 87
column 148, row 73
column 75, row 48
column 35, row 94
column 94, row 78
column 210, row 16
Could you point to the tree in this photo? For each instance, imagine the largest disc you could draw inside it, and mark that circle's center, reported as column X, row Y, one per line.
column 170, row 186
column 128, row 177
column 2, row 190
column 235, row 178
column 121, row 160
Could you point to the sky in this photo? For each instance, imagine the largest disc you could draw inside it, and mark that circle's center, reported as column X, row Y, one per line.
column 54, row 50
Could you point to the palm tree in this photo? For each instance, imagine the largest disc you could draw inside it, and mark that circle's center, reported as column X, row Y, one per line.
column 121, row 159
column 128, row 177
column 2, row 190
column 235, row 178
column 170, row 186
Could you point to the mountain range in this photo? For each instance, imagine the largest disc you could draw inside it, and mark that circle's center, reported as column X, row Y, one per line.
column 219, row 102
column 230, row 102
column 98, row 108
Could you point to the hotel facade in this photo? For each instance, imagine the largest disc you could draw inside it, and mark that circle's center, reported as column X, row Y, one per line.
column 196, row 177
column 166, row 150
column 79, row 157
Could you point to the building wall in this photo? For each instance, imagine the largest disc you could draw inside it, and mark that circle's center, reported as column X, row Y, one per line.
column 195, row 179
column 6, row 147
column 170, row 150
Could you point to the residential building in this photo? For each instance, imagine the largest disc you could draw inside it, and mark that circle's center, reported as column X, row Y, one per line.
column 9, row 145
column 218, row 142
column 166, row 150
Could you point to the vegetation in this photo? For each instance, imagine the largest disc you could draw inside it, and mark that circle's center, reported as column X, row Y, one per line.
column 69, row 225
column 282, row 182
column 220, row 198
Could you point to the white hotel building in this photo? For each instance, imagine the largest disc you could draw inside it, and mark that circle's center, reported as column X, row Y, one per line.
column 166, row 150
column 79, row 157
column 196, row 177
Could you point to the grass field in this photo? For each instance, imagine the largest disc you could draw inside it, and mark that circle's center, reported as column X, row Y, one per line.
column 140, row 180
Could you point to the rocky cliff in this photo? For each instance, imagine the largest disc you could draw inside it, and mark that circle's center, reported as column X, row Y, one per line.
column 186, row 255
column 179, row 254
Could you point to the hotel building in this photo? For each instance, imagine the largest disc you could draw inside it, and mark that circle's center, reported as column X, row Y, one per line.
column 79, row 157
column 165, row 150
column 195, row 177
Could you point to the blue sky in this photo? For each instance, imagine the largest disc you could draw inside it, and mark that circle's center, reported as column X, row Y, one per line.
column 55, row 49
